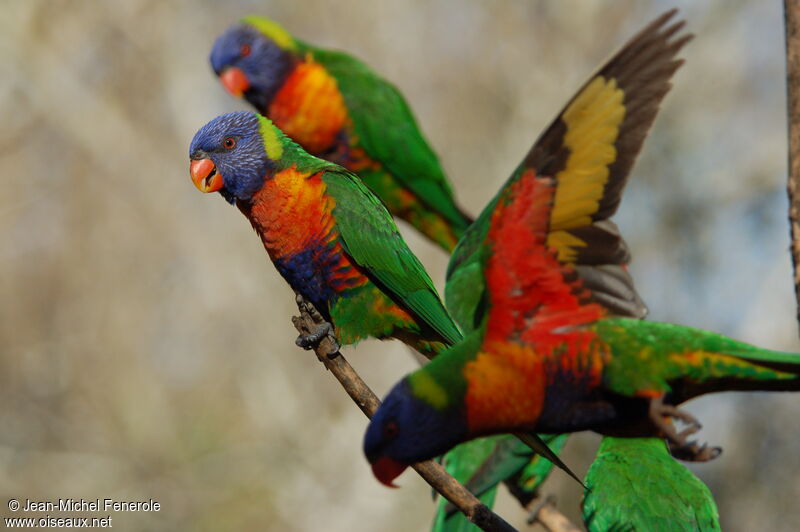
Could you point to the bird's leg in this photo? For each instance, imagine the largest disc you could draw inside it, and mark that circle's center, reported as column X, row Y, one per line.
column 679, row 445
column 323, row 328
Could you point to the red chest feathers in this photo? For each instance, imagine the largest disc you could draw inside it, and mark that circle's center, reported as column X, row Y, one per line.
column 294, row 217
column 309, row 107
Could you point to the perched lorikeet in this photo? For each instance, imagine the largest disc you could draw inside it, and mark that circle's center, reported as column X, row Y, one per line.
column 331, row 239
column 548, row 355
column 642, row 70
column 634, row 484
column 338, row 109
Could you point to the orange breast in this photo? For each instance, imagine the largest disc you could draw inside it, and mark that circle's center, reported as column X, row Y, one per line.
column 309, row 107
column 294, row 217
column 505, row 387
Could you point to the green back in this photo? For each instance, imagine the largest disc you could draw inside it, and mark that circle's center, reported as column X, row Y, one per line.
column 369, row 235
column 441, row 382
column 634, row 484
column 388, row 132
column 465, row 290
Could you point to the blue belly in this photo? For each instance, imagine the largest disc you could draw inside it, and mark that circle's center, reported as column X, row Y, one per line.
column 315, row 273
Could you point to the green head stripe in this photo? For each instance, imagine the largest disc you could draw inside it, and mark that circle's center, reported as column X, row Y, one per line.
column 425, row 387
column 272, row 31
column 272, row 138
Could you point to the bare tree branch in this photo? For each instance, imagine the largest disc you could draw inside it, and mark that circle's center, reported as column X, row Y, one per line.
column 543, row 511
column 792, row 17
column 434, row 474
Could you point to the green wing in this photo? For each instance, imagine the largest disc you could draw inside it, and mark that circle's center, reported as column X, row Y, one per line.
column 634, row 484
column 370, row 236
column 501, row 458
column 460, row 463
column 389, row 133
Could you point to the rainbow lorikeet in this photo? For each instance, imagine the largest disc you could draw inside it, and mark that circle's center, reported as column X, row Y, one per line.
column 642, row 69
column 548, row 358
column 338, row 109
column 331, row 239
column 548, row 354
column 634, row 484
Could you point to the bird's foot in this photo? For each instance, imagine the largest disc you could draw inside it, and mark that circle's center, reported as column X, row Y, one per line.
column 307, row 308
column 311, row 340
column 694, row 452
column 679, row 445
column 324, row 329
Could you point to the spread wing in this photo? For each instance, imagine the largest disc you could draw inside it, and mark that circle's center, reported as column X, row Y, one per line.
column 570, row 184
column 369, row 235
column 547, row 233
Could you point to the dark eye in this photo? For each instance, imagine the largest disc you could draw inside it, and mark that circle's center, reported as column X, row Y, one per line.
column 245, row 50
column 390, row 430
column 229, row 143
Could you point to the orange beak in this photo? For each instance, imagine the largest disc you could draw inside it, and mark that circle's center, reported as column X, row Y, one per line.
column 205, row 176
column 235, row 81
column 386, row 470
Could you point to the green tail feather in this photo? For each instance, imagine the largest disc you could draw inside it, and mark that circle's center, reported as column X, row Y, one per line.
column 649, row 355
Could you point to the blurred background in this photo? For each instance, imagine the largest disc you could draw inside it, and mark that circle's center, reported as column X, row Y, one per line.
column 145, row 343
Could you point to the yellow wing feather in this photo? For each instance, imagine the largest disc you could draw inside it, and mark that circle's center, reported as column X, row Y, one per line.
column 593, row 122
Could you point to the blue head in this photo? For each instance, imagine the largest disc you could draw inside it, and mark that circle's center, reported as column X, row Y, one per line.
column 253, row 59
column 228, row 155
column 407, row 429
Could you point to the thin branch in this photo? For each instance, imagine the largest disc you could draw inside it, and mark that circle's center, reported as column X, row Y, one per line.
column 544, row 512
column 792, row 18
column 434, row 474
column 542, row 509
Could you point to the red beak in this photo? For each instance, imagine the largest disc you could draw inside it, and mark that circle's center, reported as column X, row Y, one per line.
column 386, row 470
column 205, row 176
column 235, row 81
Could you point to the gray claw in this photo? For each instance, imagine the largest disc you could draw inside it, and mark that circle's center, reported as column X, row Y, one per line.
column 693, row 452
column 312, row 339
